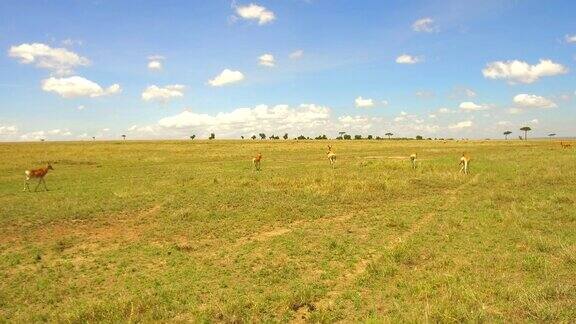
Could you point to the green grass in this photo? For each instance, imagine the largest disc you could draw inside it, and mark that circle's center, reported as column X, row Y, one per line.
column 180, row 231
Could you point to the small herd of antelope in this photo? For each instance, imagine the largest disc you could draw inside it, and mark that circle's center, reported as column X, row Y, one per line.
column 40, row 173
column 464, row 160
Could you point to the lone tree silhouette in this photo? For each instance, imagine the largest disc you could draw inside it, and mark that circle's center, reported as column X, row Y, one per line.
column 93, row 138
column 551, row 135
column 506, row 133
column 262, row 136
column 388, row 134
column 212, row 136
column 285, row 136
column 124, row 137
column 253, row 137
column 525, row 129
column 192, row 137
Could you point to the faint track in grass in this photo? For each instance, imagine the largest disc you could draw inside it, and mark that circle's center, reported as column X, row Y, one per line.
column 360, row 268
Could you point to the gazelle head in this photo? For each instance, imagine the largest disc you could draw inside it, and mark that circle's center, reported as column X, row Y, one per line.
column 329, row 149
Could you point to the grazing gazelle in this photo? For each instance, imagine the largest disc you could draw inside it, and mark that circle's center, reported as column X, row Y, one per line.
column 37, row 174
column 413, row 160
column 565, row 145
column 331, row 156
column 464, row 162
column 256, row 161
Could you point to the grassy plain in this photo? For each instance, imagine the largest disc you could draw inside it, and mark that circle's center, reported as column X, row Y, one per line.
column 187, row 231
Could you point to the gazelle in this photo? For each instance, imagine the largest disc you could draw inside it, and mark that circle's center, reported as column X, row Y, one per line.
column 464, row 162
column 331, row 156
column 565, row 145
column 37, row 174
column 413, row 160
column 256, row 161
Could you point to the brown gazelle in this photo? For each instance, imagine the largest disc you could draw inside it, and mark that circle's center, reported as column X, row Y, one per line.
column 37, row 174
column 413, row 160
column 256, row 161
column 464, row 162
column 331, row 156
column 565, row 145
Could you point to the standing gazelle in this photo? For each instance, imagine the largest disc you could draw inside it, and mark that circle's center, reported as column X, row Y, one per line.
column 256, row 161
column 464, row 162
column 413, row 160
column 331, row 156
column 37, row 174
column 565, row 145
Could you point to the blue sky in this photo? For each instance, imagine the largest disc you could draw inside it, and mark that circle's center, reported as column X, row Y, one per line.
column 149, row 69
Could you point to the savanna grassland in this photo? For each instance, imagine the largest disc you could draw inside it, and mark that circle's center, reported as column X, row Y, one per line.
column 188, row 231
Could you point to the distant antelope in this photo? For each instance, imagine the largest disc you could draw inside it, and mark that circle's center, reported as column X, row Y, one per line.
column 413, row 160
column 256, row 161
column 565, row 145
column 37, row 174
column 331, row 156
column 464, row 162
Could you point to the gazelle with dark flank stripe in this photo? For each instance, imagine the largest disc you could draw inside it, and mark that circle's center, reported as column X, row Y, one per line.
column 331, row 156
column 413, row 160
column 464, row 162
column 256, row 161
column 39, row 174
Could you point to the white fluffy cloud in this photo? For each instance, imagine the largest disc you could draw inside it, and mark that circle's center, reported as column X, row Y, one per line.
column 296, row 54
column 424, row 94
column 570, row 38
column 267, row 60
column 155, row 62
column 363, row 103
column 226, row 77
column 163, row 94
column 407, row 59
column 59, row 60
column 518, row 71
column 255, row 12
column 514, row 111
column 76, row 86
column 50, row 134
column 8, row 130
column 460, row 92
column 470, row 106
column 252, row 120
column 461, row 125
column 533, row 101
column 444, row 110
column 425, row 25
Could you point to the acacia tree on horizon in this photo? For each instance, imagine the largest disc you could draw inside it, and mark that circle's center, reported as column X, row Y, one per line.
column 551, row 135
column 124, row 137
column 389, row 135
column 506, row 133
column 526, row 129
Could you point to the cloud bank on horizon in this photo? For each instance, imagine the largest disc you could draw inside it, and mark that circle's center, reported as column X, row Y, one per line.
column 241, row 68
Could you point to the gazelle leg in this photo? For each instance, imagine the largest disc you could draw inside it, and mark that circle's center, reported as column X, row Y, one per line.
column 44, row 183
column 26, row 186
column 38, row 185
